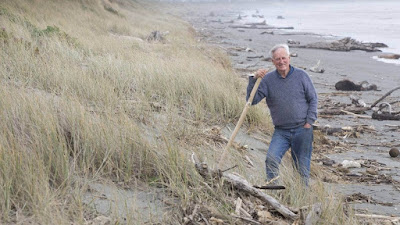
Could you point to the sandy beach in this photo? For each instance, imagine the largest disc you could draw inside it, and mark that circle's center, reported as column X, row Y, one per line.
column 374, row 187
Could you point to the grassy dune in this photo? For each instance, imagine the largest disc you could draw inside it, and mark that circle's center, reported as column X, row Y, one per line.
column 84, row 96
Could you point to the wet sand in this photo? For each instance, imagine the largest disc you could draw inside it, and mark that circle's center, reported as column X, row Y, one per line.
column 371, row 147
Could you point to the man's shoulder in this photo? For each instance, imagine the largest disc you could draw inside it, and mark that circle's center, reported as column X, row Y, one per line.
column 300, row 71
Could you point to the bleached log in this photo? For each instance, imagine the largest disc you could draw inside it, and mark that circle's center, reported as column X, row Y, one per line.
column 258, row 27
column 242, row 185
column 339, row 111
column 356, row 115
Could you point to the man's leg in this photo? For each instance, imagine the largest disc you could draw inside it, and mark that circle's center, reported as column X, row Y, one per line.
column 280, row 143
column 301, row 151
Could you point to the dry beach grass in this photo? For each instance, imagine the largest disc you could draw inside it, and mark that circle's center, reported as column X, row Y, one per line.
column 84, row 97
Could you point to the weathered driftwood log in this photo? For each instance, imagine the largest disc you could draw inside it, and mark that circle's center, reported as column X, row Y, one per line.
column 329, row 130
column 242, row 26
column 347, row 85
column 345, row 44
column 389, row 56
column 316, row 68
column 385, row 116
column 267, row 32
column 292, row 42
column 373, row 216
column 357, row 115
column 257, row 23
column 339, row 111
column 384, row 96
column 242, row 185
column 258, row 27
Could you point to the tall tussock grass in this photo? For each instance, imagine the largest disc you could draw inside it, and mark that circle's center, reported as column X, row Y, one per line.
column 84, row 95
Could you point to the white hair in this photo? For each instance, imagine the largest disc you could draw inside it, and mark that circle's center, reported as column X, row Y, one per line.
column 278, row 46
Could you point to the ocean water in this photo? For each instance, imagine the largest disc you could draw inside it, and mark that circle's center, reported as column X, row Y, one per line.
column 363, row 20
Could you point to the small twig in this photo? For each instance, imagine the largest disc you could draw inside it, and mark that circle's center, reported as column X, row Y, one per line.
column 373, row 216
column 246, row 219
column 191, row 217
column 204, row 219
column 229, row 168
column 238, row 205
column 384, row 96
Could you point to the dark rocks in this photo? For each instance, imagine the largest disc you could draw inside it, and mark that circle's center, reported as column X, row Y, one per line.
column 347, row 85
column 328, row 162
column 267, row 32
column 394, row 152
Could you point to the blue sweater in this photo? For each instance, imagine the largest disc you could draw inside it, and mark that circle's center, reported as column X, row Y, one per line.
column 292, row 101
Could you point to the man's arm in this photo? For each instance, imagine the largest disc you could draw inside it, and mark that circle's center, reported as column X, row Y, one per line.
column 260, row 94
column 312, row 99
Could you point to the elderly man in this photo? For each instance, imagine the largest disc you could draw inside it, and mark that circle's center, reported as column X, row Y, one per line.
column 292, row 101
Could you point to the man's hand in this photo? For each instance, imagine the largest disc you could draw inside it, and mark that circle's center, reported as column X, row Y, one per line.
column 307, row 125
column 260, row 73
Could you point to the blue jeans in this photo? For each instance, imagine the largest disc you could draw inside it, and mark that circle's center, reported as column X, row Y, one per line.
column 300, row 141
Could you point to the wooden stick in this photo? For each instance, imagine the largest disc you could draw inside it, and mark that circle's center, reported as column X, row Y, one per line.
column 204, row 219
column 356, row 115
column 239, row 123
column 384, row 96
column 246, row 219
column 373, row 216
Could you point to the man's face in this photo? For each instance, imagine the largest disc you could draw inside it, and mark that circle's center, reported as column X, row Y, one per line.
column 281, row 60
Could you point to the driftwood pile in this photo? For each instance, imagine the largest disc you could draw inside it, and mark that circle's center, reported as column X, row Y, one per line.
column 359, row 107
column 345, row 44
column 244, row 188
column 262, row 216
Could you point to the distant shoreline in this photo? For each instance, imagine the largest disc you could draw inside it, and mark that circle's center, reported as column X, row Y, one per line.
column 365, row 21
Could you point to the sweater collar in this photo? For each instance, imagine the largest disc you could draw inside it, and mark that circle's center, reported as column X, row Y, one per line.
column 290, row 72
